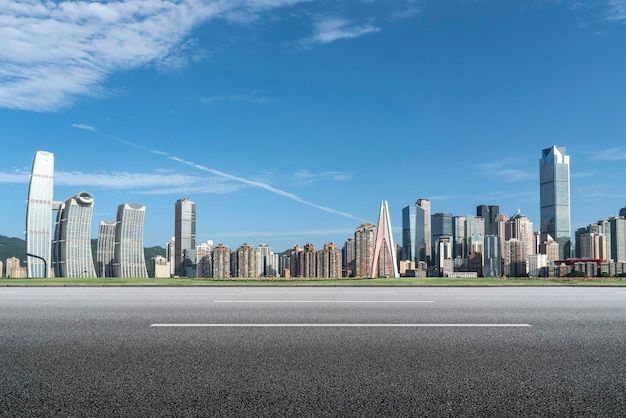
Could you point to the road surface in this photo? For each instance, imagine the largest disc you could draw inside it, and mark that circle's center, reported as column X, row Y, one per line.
column 313, row 351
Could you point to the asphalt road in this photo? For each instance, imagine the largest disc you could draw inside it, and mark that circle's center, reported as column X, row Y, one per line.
column 94, row 352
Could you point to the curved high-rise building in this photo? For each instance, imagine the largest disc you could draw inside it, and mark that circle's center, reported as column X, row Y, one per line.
column 72, row 244
column 129, row 255
column 39, row 216
column 105, row 250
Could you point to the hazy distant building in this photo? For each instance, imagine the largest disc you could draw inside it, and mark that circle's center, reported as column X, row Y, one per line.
column 349, row 258
column 247, row 262
column 409, row 234
column 521, row 228
column 129, row 250
column 618, row 239
column 459, row 225
column 443, row 255
column 105, row 249
column 14, row 268
column 170, row 254
column 185, row 237
column 160, row 267
column 295, row 261
column 364, row 249
column 268, row 262
column 329, row 261
column 39, row 216
column 492, row 257
column 204, row 259
column 72, row 244
column 622, row 212
column 221, row 262
column 308, row 261
column 554, row 178
column 489, row 214
column 423, row 235
column 551, row 249
column 515, row 258
column 537, row 265
column 385, row 258
column 442, row 226
column 593, row 246
column 475, row 240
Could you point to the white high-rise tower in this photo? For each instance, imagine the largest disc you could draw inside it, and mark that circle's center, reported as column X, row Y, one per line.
column 39, row 216
column 385, row 260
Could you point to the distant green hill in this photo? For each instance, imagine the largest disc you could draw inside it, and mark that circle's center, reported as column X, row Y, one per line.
column 16, row 247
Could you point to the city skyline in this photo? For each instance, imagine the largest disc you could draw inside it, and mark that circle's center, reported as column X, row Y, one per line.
column 281, row 107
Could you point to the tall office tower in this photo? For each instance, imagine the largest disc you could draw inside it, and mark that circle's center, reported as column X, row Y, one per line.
column 295, row 260
column 408, row 233
column 247, row 262
column 129, row 258
column 170, row 254
column 185, row 237
column 105, row 249
column 618, row 239
column 268, row 266
column 521, row 228
column 554, row 178
column 72, row 244
column 385, row 257
column 515, row 258
column 221, row 262
column 204, row 259
column 308, row 261
column 15, row 269
column 458, row 237
column 489, row 214
column 442, row 226
column 593, row 246
column 423, row 234
column 443, row 255
column 39, row 216
column 537, row 264
column 349, row 258
column 492, row 257
column 364, row 249
column 329, row 261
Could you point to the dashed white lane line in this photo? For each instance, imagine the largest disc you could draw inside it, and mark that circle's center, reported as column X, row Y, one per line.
column 340, row 325
column 323, row 301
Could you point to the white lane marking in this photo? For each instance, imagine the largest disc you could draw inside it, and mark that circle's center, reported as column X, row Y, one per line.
column 323, row 301
column 341, row 325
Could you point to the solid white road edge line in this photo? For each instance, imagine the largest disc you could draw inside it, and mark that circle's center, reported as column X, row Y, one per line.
column 323, row 301
column 341, row 325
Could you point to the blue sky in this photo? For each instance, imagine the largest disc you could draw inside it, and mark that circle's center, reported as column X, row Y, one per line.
column 300, row 116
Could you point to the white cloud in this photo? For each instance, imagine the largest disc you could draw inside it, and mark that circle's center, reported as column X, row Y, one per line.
column 253, row 97
column 510, row 169
column 306, row 177
column 152, row 183
column 610, row 154
column 51, row 52
column 617, row 10
column 331, row 29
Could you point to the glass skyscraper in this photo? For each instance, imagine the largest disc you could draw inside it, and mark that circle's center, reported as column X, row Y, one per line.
column 39, row 216
column 442, row 226
column 185, row 237
column 554, row 179
column 408, row 234
column 423, row 243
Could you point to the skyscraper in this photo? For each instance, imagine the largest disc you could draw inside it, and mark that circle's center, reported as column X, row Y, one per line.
column 268, row 261
column 221, row 262
column 489, row 214
column 554, row 179
column 442, row 226
column 72, row 244
column 385, row 258
column 247, row 262
column 39, row 216
column 408, row 233
column 459, row 224
column 129, row 254
column 423, row 243
column 185, row 237
column 492, row 258
column 521, row 228
column 516, row 258
column 348, row 257
column 618, row 239
column 309, row 261
column 329, row 261
column 170, row 254
column 364, row 248
column 105, row 250
column 443, row 254
column 204, row 259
